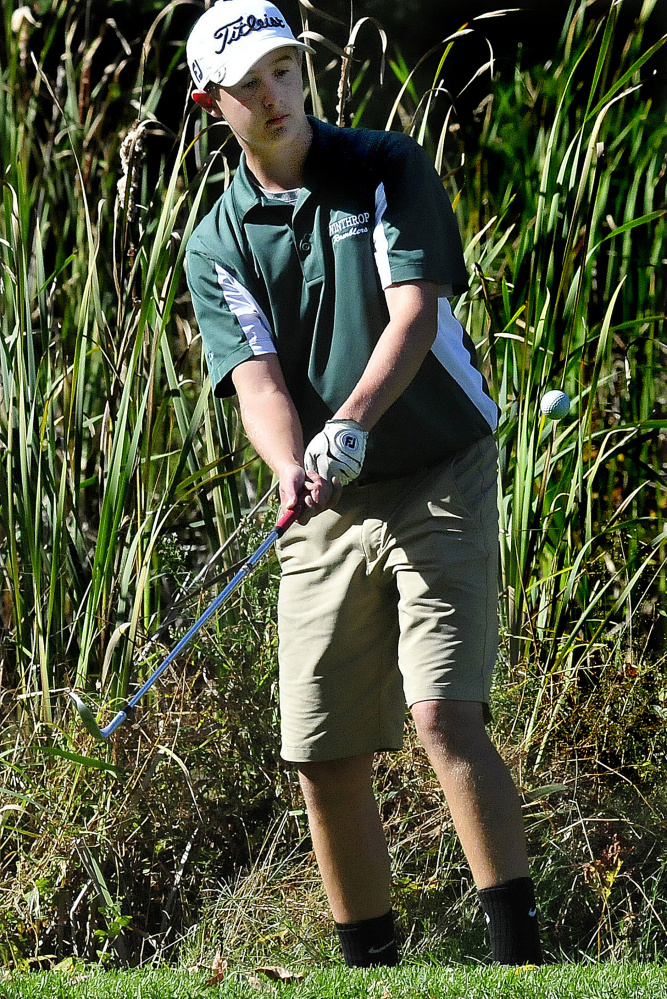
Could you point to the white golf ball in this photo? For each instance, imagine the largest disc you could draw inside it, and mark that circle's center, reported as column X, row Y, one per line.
column 555, row 404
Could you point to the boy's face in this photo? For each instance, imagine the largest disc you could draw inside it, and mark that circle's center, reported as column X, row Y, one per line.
column 266, row 107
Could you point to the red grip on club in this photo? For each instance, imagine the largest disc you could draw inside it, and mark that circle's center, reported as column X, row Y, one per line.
column 288, row 518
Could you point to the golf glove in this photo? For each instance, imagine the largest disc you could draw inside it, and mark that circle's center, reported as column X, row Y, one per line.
column 338, row 451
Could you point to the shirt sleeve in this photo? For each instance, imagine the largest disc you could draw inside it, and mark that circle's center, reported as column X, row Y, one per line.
column 233, row 326
column 416, row 235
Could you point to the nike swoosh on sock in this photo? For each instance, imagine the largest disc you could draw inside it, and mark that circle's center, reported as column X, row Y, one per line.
column 378, row 950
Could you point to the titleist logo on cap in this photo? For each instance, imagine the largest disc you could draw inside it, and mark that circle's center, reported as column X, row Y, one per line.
column 212, row 54
column 242, row 26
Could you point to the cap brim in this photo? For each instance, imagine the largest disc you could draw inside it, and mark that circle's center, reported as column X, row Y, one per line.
column 234, row 75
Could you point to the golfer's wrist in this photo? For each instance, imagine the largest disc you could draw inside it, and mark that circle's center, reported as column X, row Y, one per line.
column 355, row 419
column 348, row 421
column 288, row 469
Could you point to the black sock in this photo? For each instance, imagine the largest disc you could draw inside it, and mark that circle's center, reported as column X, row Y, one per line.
column 369, row 942
column 511, row 914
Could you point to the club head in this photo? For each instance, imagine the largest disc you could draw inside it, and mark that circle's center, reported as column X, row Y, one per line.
column 87, row 716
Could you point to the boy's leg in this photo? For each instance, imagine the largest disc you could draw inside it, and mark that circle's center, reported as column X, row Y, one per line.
column 351, row 852
column 487, row 816
column 478, row 787
column 347, row 835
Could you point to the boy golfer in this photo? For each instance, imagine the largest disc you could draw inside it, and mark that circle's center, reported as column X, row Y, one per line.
column 320, row 282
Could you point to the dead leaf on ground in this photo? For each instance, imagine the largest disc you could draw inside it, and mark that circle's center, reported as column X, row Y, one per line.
column 219, row 969
column 278, row 974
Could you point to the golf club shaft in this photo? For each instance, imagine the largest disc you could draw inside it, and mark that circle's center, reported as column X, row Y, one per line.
column 281, row 526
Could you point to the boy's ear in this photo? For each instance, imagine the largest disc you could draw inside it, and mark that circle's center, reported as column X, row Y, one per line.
column 205, row 101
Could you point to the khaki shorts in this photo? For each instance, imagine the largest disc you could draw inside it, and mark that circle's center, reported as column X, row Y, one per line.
column 389, row 599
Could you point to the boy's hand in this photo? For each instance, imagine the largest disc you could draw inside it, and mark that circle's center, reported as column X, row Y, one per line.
column 318, row 494
column 337, row 451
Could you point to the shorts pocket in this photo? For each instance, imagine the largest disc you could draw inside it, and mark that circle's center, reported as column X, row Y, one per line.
column 474, row 475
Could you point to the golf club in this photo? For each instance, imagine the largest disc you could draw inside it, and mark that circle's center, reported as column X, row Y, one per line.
column 87, row 716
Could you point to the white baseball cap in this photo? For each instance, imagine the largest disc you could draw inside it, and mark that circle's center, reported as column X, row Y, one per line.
column 231, row 36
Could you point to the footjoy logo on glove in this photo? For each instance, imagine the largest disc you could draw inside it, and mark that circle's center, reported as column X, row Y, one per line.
column 349, row 441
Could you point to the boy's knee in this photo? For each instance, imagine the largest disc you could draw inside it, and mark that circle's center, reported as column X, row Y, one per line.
column 453, row 728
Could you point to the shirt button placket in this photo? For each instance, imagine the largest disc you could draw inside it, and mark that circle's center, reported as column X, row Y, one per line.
column 307, row 248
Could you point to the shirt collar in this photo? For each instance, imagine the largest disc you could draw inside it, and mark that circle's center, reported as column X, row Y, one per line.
column 245, row 190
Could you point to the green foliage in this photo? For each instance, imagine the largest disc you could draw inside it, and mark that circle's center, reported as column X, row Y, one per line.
column 564, row 243
column 107, row 423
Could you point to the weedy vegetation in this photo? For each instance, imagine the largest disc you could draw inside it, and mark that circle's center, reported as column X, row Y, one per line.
column 128, row 494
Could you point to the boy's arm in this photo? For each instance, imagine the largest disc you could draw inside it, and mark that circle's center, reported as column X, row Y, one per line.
column 398, row 354
column 394, row 362
column 273, row 428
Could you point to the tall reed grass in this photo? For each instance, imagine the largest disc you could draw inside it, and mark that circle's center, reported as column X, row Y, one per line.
column 111, row 439
column 560, row 193
column 567, row 265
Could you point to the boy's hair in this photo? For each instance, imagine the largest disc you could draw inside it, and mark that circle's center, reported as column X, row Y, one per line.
column 213, row 90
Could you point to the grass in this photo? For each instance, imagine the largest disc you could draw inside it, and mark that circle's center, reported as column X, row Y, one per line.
column 630, row 981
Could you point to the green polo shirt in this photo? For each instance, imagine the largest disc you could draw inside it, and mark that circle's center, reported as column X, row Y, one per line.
column 306, row 281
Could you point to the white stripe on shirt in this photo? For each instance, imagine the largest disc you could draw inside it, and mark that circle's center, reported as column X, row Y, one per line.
column 251, row 318
column 454, row 356
column 448, row 348
column 380, row 238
